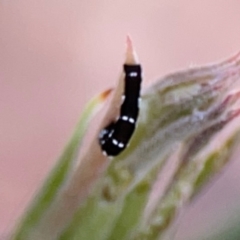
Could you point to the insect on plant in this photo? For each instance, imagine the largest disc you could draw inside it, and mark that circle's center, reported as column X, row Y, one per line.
column 114, row 138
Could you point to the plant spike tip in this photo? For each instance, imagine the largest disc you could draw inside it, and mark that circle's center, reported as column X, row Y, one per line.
column 131, row 55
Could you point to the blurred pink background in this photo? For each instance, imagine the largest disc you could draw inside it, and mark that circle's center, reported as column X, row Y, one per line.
column 55, row 55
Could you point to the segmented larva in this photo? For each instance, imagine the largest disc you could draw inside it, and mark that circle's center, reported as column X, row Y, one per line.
column 114, row 138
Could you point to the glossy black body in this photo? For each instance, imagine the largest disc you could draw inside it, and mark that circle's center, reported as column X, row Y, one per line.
column 115, row 137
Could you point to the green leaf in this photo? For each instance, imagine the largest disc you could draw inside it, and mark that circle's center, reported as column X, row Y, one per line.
column 58, row 175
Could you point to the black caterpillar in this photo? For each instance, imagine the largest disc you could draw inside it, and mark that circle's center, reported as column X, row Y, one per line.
column 114, row 138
